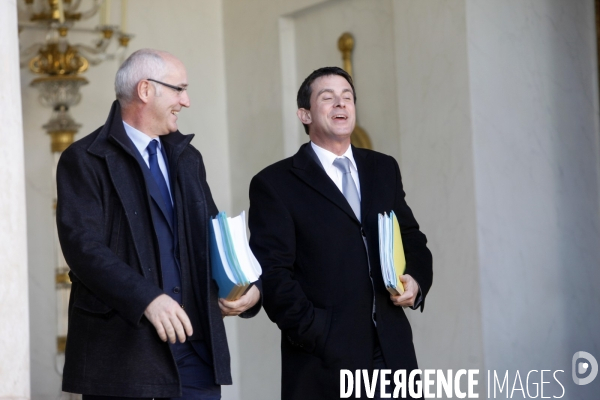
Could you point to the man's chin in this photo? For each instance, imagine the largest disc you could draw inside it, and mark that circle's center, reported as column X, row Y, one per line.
column 343, row 131
column 343, row 135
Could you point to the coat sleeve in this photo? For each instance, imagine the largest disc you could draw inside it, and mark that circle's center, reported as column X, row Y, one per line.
column 418, row 256
column 81, row 223
column 273, row 241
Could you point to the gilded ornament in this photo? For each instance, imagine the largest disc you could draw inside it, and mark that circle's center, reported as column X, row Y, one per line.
column 52, row 61
column 359, row 137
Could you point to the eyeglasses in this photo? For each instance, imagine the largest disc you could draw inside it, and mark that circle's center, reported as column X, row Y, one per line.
column 178, row 89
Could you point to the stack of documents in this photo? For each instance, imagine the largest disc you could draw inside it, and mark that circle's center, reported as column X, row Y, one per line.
column 234, row 267
column 391, row 252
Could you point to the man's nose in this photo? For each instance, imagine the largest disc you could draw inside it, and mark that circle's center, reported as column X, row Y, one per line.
column 339, row 102
column 185, row 99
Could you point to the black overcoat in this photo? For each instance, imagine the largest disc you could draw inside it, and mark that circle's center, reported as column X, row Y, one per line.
column 316, row 281
column 106, row 234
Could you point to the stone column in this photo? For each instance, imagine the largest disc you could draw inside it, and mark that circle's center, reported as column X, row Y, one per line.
column 500, row 155
column 14, row 310
column 534, row 109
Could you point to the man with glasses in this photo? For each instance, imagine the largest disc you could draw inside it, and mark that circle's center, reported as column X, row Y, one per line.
column 132, row 215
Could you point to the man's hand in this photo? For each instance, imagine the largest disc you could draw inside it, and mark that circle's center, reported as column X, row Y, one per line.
column 231, row 308
column 411, row 290
column 169, row 319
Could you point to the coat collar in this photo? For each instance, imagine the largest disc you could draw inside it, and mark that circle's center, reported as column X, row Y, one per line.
column 306, row 165
column 113, row 132
column 365, row 164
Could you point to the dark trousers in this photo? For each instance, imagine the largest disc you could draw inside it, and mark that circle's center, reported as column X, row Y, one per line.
column 195, row 371
column 378, row 363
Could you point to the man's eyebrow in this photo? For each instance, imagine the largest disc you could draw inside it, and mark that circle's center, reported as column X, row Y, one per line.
column 323, row 91
column 183, row 85
column 331, row 91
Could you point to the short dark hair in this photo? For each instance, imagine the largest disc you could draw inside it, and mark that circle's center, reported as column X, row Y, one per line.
column 305, row 91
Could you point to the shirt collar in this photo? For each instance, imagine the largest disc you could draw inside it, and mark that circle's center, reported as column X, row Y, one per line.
column 140, row 139
column 327, row 157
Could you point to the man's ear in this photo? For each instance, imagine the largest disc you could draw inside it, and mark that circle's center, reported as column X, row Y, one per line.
column 143, row 91
column 304, row 116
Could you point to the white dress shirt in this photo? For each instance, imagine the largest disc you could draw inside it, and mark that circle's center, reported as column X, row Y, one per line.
column 327, row 158
column 141, row 141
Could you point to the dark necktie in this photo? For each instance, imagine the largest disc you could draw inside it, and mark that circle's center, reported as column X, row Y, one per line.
column 348, row 185
column 158, row 175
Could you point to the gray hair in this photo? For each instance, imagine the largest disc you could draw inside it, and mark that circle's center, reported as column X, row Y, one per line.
column 142, row 64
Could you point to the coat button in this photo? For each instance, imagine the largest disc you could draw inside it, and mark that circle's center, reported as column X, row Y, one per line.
column 176, row 289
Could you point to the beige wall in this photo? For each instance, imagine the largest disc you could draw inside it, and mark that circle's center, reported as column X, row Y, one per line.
column 436, row 161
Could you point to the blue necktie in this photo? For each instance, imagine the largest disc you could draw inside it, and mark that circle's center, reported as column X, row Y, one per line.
column 158, row 175
column 348, row 186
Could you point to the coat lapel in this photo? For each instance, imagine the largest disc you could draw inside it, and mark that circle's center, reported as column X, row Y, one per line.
column 307, row 167
column 174, row 144
column 154, row 190
column 365, row 163
column 113, row 132
column 119, row 136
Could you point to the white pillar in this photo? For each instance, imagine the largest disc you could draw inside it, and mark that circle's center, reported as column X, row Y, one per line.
column 500, row 153
column 534, row 107
column 14, row 311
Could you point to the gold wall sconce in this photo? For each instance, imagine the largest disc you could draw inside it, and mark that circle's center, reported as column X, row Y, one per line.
column 359, row 138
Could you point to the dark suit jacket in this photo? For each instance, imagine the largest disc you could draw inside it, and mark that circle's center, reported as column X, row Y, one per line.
column 316, row 282
column 109, row 242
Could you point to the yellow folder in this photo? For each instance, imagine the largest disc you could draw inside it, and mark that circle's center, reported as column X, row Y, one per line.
column 398, row 251
column 391, row 252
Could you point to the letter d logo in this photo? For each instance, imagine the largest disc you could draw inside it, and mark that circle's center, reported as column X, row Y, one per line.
column 583, row 367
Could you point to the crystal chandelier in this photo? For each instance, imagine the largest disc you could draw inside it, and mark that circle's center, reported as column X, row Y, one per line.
column 60, row 62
